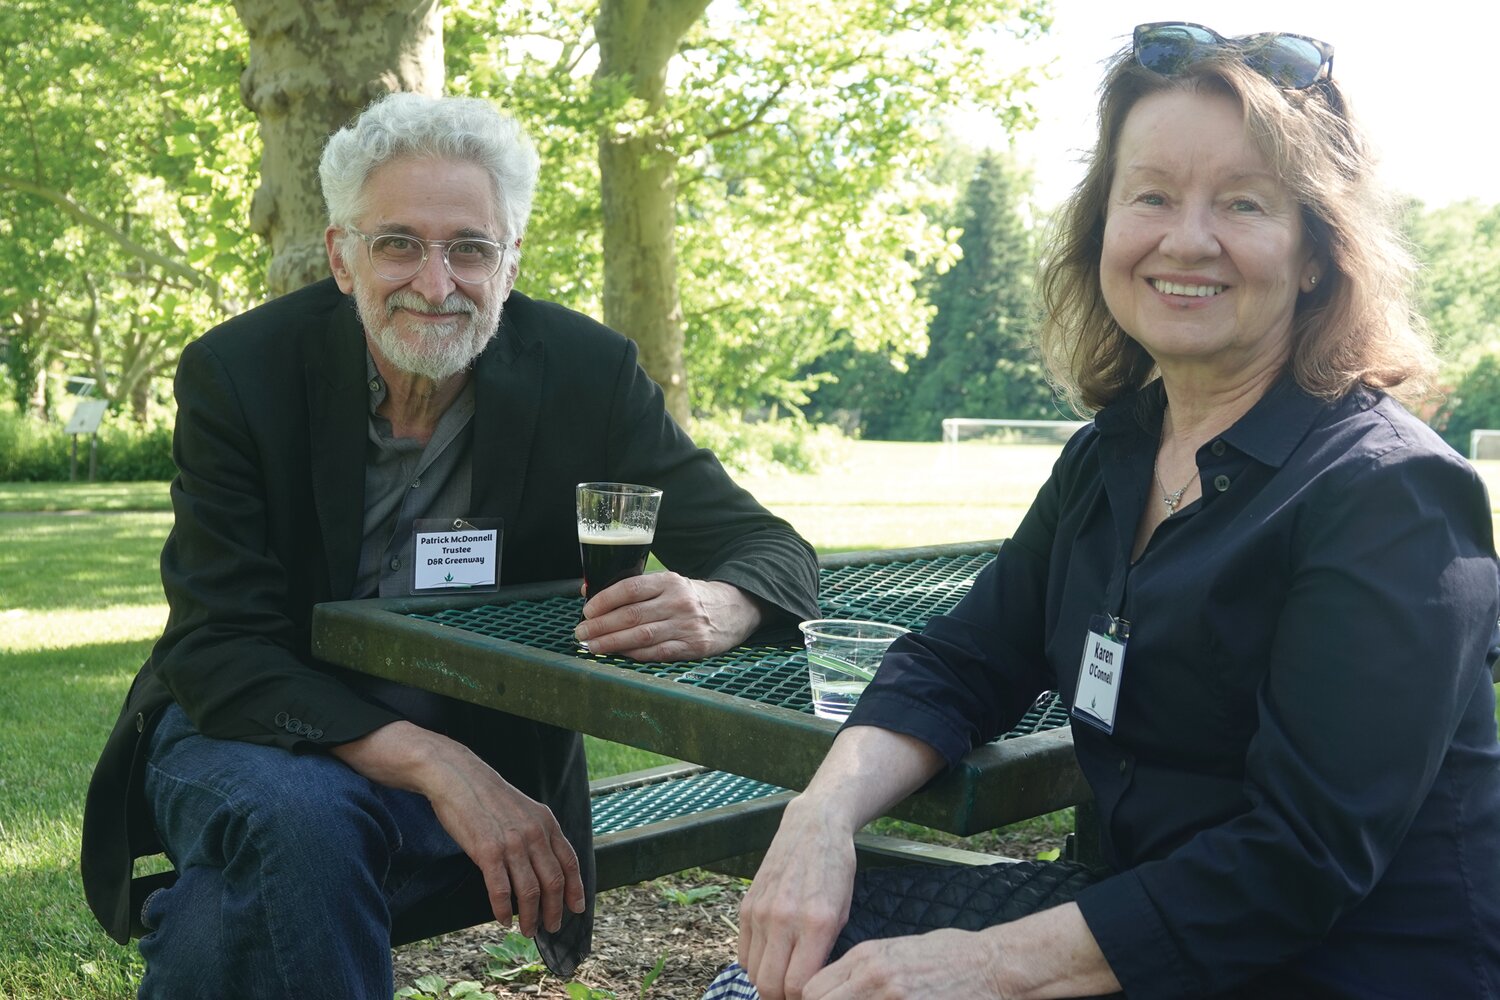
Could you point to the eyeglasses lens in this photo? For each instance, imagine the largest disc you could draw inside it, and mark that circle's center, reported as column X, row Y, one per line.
column 399, row 258
column 1171, row 49
column 1285, row 60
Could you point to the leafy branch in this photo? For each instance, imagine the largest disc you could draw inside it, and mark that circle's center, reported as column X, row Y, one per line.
column 199, row 279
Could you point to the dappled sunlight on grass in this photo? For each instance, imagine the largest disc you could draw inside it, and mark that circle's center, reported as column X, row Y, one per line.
column 84, row 561
column 22, row 630
column 84, row 496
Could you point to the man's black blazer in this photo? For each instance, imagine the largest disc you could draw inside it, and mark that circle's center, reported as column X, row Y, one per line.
column 269, row 502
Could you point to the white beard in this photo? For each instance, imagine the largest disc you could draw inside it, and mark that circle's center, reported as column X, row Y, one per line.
column 443, row 349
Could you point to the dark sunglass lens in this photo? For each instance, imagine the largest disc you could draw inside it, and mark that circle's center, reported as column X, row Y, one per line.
column 1170, row 49
column 1288, row 62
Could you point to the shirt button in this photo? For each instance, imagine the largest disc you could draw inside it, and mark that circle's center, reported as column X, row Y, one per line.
column 1218, row 447
column 396, row 563
column 374, row 385
column 1221, row 483
column 416, row 482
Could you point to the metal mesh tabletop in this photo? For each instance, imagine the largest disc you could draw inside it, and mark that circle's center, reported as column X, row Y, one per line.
column 906, row 593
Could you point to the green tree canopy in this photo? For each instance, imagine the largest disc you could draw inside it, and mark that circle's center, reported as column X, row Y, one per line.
column 801, row 136
column 1459, row 247
column 980, row 359
column 124, row 183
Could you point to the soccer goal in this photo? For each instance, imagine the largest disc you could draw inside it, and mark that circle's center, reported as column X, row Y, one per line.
column 1484, row 444
column 997, row 431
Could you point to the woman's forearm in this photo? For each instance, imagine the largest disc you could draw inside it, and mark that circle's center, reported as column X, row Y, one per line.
column 867, row 771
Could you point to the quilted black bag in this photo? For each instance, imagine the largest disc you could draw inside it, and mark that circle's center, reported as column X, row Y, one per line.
column 912, row 899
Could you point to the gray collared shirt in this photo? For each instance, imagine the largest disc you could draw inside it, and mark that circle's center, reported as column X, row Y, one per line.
column 406, row 481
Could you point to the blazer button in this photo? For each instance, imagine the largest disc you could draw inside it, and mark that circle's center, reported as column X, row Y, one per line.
column 1221, row 483
column 140, row 722
column 1124, row 767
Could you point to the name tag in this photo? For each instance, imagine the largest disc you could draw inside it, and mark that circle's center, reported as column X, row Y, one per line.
column 459, row 556
column 1099, row 674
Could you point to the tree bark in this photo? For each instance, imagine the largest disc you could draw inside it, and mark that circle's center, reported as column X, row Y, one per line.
column 638, row 188
column 314, row 64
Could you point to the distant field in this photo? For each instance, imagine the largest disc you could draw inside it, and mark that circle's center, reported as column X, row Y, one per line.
column 894, row 493
column 891, row 493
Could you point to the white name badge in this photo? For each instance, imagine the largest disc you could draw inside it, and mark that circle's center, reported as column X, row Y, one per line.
column 461, row 558
column 1099, row 677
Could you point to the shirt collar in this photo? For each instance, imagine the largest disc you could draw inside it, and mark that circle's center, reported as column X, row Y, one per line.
column 1268, row 433
column 1277, row 423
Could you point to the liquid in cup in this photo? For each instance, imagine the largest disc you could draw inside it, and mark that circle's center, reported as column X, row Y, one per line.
column 616, row 526
column 611, row 554
column 842, row 657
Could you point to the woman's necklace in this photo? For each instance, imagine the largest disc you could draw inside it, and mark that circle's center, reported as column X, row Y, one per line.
column 1172, row 498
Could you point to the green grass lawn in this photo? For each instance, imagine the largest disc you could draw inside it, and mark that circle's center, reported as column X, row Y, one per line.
column 81, row 603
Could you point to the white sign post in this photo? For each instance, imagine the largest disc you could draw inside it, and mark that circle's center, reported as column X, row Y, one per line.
column 85, row 420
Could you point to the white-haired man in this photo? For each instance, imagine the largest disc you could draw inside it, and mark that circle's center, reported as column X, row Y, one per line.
column 313, row 434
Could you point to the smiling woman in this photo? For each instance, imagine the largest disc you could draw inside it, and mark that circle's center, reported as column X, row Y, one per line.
column 1276, row 671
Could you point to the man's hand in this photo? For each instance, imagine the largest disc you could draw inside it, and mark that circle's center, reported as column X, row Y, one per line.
column 515, row 841
column 798, row 902
column 664, row 616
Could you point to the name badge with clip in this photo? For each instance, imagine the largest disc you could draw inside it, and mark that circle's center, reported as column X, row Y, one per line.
column 1100, row 672
column 456, row 554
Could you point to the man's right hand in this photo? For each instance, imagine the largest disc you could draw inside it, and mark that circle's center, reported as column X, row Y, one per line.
column 798, row 902
column 530, row 869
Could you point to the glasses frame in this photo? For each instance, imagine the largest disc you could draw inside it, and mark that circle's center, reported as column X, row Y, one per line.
column 1245, row 44
column 428, row 246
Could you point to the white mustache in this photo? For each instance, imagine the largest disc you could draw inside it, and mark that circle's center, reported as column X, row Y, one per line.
column 412, row 302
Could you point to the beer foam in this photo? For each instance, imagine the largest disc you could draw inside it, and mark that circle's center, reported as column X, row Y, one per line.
column 615, row 534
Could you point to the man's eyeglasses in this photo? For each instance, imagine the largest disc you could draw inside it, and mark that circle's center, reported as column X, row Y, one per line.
column 1292, row 62
column 399, row 257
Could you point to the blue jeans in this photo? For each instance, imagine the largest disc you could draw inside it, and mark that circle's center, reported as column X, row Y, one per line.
column 291, row 868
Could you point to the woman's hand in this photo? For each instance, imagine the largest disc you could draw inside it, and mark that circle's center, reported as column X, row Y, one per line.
column 1045, row 955
column 798, row 902
column 945, row 963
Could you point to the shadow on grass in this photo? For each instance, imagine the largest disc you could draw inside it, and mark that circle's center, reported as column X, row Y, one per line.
column 90, row 561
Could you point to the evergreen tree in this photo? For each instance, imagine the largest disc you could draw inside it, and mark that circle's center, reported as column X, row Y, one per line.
column 981, row 358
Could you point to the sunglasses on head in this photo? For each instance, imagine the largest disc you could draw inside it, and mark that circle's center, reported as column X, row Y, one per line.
column 1292, row 62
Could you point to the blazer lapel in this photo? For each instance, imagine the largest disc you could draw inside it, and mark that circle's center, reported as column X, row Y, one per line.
column 338, row 405
column 507, row 399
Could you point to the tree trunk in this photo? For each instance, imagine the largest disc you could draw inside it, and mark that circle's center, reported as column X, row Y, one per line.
column 314, row 64
column 638, row 191
column 26, row 356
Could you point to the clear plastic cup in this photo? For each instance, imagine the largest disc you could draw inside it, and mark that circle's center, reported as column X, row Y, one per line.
column 842, row 657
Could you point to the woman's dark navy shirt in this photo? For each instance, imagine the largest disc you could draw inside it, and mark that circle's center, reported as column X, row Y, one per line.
column 1303, row 778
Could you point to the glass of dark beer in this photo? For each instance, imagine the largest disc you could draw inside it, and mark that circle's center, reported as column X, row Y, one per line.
column 616, row 526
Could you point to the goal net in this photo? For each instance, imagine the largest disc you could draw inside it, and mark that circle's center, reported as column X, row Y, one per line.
column 957, row 430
